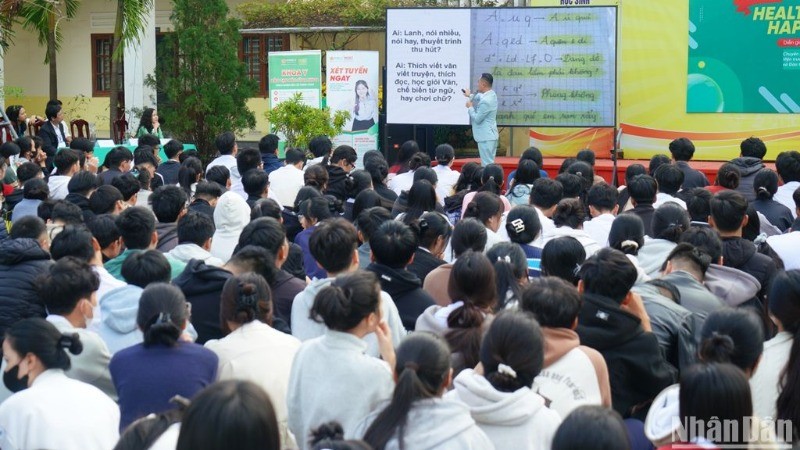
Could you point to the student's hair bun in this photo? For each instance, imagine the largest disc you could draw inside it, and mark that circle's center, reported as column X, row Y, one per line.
column 717, row 348
column 71, row 342
column 331, row 431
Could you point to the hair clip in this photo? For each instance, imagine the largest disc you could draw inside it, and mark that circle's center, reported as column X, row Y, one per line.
column 506, row 259
column 630, row 243
column 506, row 370
column 164, row 318
column 519, row 225
column 412, row 365
column 64, row 342
column 423, row 225
column 576, row 270
column 246, row 301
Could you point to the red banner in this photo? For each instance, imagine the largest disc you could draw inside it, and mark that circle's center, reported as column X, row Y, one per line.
column 743, row 6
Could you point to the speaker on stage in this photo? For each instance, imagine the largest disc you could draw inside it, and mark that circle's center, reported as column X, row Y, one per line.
column 395, row 136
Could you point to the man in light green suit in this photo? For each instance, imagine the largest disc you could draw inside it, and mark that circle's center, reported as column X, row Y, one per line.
column 482, row 108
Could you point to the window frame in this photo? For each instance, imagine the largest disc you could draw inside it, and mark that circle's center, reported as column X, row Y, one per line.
column 263, row 42
column 96, row 38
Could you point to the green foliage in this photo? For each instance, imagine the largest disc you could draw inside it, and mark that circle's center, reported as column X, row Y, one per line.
column 300, row 123
column 316, row 13
column 44, row 17
column 205, row 84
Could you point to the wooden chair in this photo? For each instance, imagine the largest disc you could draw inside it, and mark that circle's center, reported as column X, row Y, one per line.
column 79, row 128
column 120, row 128
column 33, row 129
column 5, row 134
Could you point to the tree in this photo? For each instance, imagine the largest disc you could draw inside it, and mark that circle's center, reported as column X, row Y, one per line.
column 43, row 18
column 128, row 27
column 206, row 85
column 300, row 122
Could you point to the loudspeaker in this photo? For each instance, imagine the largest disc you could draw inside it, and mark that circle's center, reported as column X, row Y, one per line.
column 395, row 136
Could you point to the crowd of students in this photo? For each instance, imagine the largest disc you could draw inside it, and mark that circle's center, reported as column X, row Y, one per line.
column 343, row 303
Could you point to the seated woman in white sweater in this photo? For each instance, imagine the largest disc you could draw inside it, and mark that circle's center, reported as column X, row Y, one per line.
column 417, row 417
column 568, row 219
column 331, row 377
column 253, row 350
column 501, row 401
column 488, row 209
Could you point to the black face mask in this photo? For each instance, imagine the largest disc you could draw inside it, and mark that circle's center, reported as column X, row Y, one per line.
column 13, row 383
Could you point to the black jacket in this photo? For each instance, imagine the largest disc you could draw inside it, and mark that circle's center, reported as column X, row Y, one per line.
column 777, row 213
column 13, row 198
column 386, row 193
column 406, row 291
column 169, row 171
column 748, row 167
column 645, row 211
column 203, row 207
column 50, row 145
column 637, row 370
column 202, row 285
column 284, row 289
column 294, row 262
column 22, row 261
column 692, row 178
column 673, row 325
column 424, row 262
column 337, row 183
column 742, row 254
column 108, row 175
column 83, row 203
column 401, row 205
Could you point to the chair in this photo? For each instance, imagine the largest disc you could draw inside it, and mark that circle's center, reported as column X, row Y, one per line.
column 79, row 128
column 33, row 129
column 120, row 128
column 5, row 133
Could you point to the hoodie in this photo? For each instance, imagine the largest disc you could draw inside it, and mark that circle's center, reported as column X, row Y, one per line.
column 653, row 254
column 337, row 182
column 636, row 367
column 202, row 285
column 13, row 198
column 231, row 215
column 284, row 289
column 188, row 251
column 435, row 423
column 742, row 254
column 748, row 167
column 730, row 285
column 305, row 328
column 573, row 375
column 406, row 291
column 518, row 420
column 58, row 186
column 167, row 236
column 118, row 327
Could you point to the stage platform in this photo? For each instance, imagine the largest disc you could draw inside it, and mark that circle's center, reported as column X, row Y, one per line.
column 602, row 167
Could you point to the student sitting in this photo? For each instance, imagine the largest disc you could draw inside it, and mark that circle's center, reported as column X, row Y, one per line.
column 332, row 378
column 468, row 234
column 68, row 290
column 602, row 201
column 393, row 245
column 417, row 416
column 568, row 219
column 501, row 400
column 682, row 150
column 169, row 205
column 334, row 246
column 433, row 233
column 195, row 231
column 613, row 321
column 573, row 374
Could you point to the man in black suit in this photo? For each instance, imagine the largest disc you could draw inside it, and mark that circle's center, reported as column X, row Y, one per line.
column 52, row 132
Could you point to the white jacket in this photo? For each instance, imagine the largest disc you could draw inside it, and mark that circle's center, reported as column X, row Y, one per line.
column 189, row 251
column 512, row 420
column 589, row 245
column 332, row 379
column 599, row 227
column 764, row 383
column 59, row 412
column 58, row 186
column 434, row 423
column 304, row 328
column 257, row 352
column 91, row 365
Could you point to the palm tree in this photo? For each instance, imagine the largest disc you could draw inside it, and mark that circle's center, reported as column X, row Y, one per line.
column 43, row 17
column 128, row 28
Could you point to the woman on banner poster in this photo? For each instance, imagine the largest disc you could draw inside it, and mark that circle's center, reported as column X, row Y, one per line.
column 365, row 109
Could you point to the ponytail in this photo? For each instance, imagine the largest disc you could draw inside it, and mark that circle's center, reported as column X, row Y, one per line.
column 162, row 314
column 492, row 179
column 343, row 304
column 41, row 338
column 245, row 298
column 512, row 352
column 423, row 364
column 732, row 336
column 510, row 266
column 484, row 206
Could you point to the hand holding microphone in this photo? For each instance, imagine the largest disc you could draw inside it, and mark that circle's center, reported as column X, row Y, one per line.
column 466, row 92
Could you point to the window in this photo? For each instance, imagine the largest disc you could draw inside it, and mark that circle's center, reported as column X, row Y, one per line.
column 253, row 52
column 101, row 66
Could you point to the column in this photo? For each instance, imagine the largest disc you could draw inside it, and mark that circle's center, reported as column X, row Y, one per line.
column 140, row 61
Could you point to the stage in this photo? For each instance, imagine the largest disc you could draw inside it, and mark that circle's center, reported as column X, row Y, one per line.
column 602, row 167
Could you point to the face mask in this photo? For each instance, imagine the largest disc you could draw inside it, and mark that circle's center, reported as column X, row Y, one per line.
column 13, row 383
